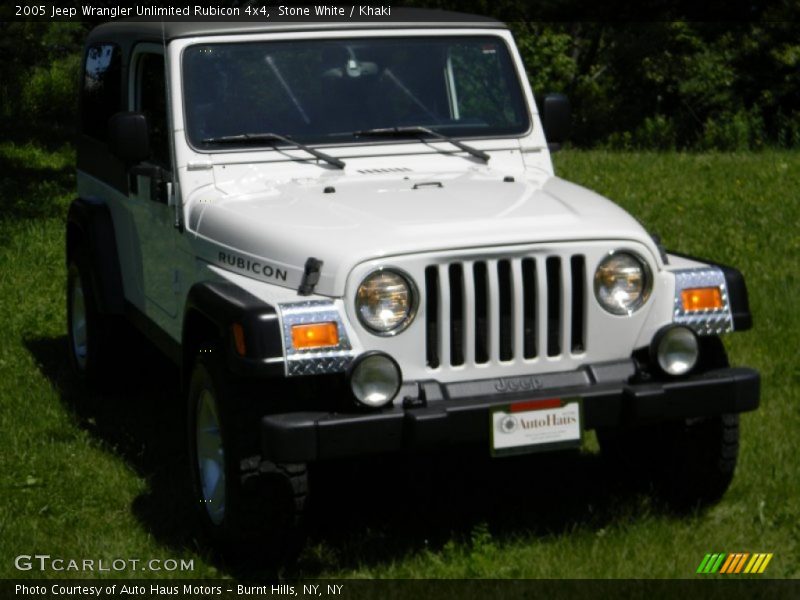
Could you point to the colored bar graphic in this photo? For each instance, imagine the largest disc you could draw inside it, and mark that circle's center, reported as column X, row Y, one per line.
column 712, row 560
column 727, row 563
column 703, row 563
column 755, row 561
column 717, row 564
column 735, row 563
column 741, row 562
column 758, row 562
column 730, row 564
column 765, row 563
column 710, row 564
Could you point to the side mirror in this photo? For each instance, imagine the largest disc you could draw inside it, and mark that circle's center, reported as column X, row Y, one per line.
column 128, row 138
column 556, row 119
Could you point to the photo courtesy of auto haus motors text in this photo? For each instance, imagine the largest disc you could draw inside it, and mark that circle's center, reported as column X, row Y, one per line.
column 194, row 590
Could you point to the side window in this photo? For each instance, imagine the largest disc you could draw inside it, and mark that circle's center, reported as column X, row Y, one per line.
column 152, row 101
column 102, row 87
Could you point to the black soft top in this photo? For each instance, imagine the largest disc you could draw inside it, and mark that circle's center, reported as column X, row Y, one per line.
column 137, row 30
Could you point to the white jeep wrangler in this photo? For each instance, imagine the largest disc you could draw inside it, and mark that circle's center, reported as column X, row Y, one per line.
column 350, row 239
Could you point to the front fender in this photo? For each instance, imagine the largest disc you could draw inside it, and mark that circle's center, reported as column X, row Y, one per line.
column 214, row 308
column 91, row 227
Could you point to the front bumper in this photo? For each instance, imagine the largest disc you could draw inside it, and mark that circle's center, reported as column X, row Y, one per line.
column 460, row 412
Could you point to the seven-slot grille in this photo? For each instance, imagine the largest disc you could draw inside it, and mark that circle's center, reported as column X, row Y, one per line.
column 507, row 309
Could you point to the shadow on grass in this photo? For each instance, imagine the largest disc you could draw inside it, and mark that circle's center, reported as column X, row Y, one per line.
column 29, row 192
column 362, row 512
column 49, row 133
column 28, row 188
column 142, row 423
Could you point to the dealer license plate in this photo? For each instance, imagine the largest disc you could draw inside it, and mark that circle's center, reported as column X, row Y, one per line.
column 536, row 425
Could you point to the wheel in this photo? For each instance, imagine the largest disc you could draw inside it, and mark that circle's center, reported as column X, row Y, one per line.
column 91, row 335
column 242, row 501
column 689, row 462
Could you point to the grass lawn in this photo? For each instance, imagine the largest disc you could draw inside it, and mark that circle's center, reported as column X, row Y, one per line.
column 100, row 478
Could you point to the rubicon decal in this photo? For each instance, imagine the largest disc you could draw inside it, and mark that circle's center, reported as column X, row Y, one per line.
column 735, row 563
column 245, row 264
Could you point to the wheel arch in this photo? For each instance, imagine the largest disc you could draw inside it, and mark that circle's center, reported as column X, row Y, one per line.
column 90, row 228
column 212, row 309
column 198, row 331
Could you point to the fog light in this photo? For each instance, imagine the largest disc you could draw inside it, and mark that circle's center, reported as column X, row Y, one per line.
column 374, row 379
column 676, row 350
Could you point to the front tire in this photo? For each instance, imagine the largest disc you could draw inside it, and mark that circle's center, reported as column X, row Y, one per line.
column 690, row 462
column 246, row 506
column 90, row 334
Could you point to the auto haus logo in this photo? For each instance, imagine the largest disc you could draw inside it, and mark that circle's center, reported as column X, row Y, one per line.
column 736, row 563
column 508, row 424
column 511, row 423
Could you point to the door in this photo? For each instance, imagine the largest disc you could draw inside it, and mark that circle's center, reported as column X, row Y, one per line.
column 150, row 188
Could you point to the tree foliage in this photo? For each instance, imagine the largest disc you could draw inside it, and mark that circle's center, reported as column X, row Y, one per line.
column 671, row 84
column 39, row 78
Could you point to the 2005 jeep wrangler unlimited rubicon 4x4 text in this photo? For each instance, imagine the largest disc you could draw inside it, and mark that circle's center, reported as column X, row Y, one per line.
column 350, row 239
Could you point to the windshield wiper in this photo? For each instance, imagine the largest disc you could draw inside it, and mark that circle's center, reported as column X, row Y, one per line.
column 418, row 131
column 261, row 138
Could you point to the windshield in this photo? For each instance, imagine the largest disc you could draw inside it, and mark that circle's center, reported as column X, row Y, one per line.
column 323, row 91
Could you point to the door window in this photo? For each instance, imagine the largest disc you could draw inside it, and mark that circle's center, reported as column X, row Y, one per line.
column 152, row 101
column 101, row 90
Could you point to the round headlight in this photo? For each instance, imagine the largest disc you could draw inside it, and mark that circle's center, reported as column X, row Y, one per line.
column 374, row 379
column 385, row 302
column 622, row 283
column 676, row 350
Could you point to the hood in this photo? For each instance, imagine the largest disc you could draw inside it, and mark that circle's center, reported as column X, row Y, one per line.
column 352, row 219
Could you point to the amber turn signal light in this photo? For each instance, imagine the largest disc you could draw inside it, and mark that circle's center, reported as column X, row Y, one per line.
column 238, row 339
column 706, row 298
column 315, row 335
